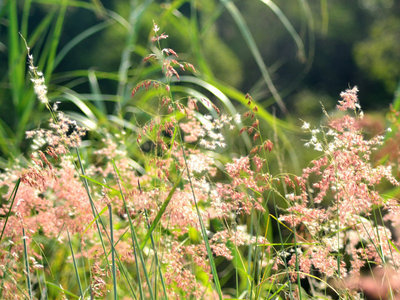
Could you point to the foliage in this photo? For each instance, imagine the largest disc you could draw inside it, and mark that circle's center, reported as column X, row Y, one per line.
column 173, row 184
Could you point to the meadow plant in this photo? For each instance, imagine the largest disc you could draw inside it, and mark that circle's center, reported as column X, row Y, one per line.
column 336, row 205
column 186, row 203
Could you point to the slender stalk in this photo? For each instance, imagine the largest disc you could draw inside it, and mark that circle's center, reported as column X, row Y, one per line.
column 12, row 198
column 75, row 265
column 27, row 272
column 113, row 253
column 135, row 242
column 92, row 205
column 157, row 260
column 203, row 229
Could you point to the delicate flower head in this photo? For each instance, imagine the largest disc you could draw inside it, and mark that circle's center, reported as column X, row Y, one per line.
column 39, row 85
column 155, row 27
column 305, row 126
column 349, row 100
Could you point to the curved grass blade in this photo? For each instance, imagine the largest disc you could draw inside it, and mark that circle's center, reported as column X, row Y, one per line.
column 16, row 76
column 221, row 97
column 202, row 227
column 195, row 42
column 160, row 212
column 222, row 92
column 75, row 266
column 40, row 28
column 233, row 10
column 137, row 12
column 12, row 198
column 98, row 7
column 84, row 107
column 99, row 220
column 86, row 185
column 55, row 38
column 27, row 272
column 156, row 258
column 311, row 41
column 99, row 183
column 96, row 92
column 94, row 220
column 289, row 27
column 25, row 16
column 114, row 272
column 79, row 38
column 135, row 242
column 62, row 290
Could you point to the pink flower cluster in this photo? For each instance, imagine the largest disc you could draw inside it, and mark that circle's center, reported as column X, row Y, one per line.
column 336, row 204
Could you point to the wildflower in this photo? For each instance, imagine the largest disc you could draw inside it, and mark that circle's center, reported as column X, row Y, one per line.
column 305, row 126
column 346, row 174
column 318, row 147
column 349, row 100
column 39, row 85
column 155, row 27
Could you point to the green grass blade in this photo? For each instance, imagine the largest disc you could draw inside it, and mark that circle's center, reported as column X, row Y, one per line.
column 7, row 135
column 239, row 264
column 55, row 39
column 79, row 38
column 99, row 8
column 137, row 12
column 235, row 13
column 60, row 289
column 84, row 107
column 126, row 276
column 98, row 220
column 160, row 212
column 75, row 265
column 25, row 16
column 195, row 42
column 223, row 91
column 12, row 198
column 114, row 272
column 311, row 40
column 27, row 271
column 99, row 183
column 135, row 242
column 41, row 28
column 94, row 220
column 96, row 92
column 289, row 27
column 203, row 228
column 157, row 260
column 278, row 291
column 86, row 185
column 16, row 77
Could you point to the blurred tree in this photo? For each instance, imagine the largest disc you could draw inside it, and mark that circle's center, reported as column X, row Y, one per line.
column 379, row 53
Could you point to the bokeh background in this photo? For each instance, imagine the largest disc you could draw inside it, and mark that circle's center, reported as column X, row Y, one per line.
column 312, row 50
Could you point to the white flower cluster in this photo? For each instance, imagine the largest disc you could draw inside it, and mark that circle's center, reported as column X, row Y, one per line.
column 212, row 129
column 314, row 142
column 38, row 81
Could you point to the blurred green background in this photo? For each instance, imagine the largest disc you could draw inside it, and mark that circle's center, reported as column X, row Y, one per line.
column 91, row 53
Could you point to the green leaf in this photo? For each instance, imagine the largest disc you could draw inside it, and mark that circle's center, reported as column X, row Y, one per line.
column 160, row 212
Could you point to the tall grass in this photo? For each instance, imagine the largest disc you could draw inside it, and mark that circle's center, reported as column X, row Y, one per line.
column 189, row 171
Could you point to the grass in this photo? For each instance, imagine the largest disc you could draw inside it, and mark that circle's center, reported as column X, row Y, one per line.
column 154, row 202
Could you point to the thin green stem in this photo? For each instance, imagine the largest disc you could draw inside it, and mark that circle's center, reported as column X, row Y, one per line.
column 114, row 272
column 75, row 265
column 27, row 271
